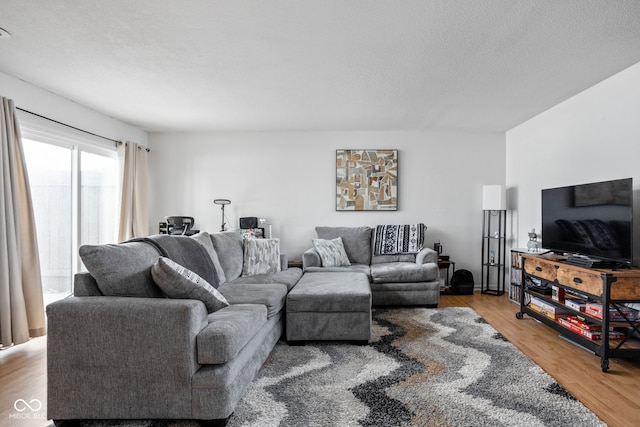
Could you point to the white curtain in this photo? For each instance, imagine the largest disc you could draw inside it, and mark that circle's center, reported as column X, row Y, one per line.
column 134, row 205
column 21, row 301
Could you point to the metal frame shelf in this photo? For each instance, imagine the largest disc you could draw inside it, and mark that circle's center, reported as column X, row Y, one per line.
column 494, row 224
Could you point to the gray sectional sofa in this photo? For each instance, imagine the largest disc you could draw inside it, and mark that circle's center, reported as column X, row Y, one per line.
column 176, row 327
column 120, row 349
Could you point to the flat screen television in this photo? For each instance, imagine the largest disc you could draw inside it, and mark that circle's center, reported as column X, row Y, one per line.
column 593, row 220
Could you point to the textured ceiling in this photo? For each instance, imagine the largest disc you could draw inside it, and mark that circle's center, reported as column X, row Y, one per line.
column 166, row 65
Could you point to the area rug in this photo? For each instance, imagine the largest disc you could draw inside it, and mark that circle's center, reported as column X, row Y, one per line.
column 423, row 367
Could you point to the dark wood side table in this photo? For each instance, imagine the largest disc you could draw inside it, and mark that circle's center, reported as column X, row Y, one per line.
column 295, row 263
column 445, row 264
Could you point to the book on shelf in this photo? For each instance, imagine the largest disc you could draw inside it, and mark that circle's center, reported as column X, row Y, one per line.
column 557, row 293
column 514, row 293
column 576, row 304
column 516, row 276
column 615, row 314
column 548, row 306
column 583, row 323
column 547, row 310
column 516, row 259
column 589, row 334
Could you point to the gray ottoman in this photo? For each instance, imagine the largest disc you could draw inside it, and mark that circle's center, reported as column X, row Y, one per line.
column 329, row 306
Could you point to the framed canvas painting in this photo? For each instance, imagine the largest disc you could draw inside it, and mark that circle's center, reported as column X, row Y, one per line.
column 366, row 180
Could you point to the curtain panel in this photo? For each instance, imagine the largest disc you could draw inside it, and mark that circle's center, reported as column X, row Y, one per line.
column 21, row 298
column 134, row 204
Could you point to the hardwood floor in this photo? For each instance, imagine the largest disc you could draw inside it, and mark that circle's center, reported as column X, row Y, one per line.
column 23, row 375
column 613, row 396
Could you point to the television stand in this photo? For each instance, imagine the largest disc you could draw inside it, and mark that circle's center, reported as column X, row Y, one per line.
column 596, row 299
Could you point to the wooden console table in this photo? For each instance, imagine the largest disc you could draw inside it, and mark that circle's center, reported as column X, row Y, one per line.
column 609, row 288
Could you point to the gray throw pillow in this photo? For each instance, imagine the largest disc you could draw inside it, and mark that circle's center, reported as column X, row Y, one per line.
column 332, row 253
column 228, row 246
column 261, row 256
column 205, row 239
column 356, row 241
column 181, row 283
column 122, row 270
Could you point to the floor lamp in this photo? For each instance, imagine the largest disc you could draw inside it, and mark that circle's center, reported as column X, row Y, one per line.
column 494, row 209
column 223, row 203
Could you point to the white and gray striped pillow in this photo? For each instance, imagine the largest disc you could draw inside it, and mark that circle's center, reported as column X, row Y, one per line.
column 331, row 252
column 179, row 282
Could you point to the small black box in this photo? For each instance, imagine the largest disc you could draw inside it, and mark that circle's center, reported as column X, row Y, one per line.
column 249, row 222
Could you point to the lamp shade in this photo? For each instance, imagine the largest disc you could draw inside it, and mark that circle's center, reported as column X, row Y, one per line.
column 494, row 198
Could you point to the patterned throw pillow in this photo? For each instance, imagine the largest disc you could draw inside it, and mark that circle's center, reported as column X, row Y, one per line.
column 398, row 239
column 331, row 252
column 261, row 256
column 181, row 283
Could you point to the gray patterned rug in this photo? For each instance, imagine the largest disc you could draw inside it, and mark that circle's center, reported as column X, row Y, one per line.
column 423, row 367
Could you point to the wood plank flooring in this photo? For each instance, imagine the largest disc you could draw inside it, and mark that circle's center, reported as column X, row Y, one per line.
column 614, row 396
column 23, row 375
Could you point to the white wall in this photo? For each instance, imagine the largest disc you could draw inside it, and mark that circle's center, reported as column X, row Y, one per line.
column 48, row 104
column 593, row 136
column 289, row 178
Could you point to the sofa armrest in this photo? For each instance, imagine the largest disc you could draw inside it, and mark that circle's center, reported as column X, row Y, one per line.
column 142, row 347
column 284, row 262
column 84, row 285
column 311, row 258
column 426, row 255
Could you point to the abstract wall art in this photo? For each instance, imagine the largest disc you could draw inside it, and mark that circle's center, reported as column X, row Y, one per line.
column 366, row 180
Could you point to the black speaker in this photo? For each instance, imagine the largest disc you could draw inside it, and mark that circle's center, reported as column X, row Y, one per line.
column 249, row 222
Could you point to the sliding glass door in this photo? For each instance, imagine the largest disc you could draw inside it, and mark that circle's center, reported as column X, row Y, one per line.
column 74, row 193
column 49, row 168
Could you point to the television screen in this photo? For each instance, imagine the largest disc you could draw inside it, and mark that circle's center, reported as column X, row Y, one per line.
column 593, row 219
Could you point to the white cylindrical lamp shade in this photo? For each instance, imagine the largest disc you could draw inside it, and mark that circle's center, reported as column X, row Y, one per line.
column 494, row 198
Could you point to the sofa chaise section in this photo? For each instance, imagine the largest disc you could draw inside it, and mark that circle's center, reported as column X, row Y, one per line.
column 395, row 279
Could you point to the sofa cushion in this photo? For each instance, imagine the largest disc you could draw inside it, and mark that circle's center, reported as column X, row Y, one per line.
column 356, row 240
column 332, row 253
column 353, row 268
column 394, row 287
column 228, row 246
column 271, row 295
column 261, row 256
column 426, row 255
column 228, row 331
column 330, row 293
column 398, row 239
column 404, row 272
column 122, row 269
column 288, row 277
column 179, row 282
column 380, row 259
column 205, row 240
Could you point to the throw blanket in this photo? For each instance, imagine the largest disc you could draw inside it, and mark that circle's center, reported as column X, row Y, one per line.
column 398, row 239
column 187, row 252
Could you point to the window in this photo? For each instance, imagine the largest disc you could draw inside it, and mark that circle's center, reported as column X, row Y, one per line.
column 74, row 192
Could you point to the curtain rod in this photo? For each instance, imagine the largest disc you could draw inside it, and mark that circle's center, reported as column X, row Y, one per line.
column 73, row 127
column 64, row 124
